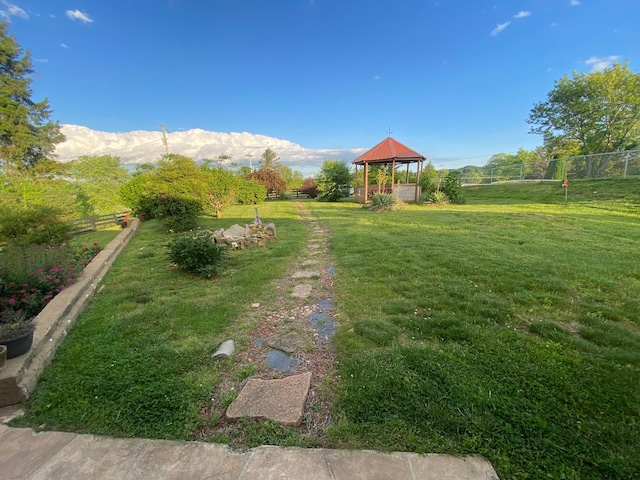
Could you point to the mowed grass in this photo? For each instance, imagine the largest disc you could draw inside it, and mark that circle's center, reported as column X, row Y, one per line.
column 510, row 329
column 138, row 361
column 508, row 326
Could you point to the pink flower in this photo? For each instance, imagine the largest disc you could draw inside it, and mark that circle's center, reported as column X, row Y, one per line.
column 12, row 301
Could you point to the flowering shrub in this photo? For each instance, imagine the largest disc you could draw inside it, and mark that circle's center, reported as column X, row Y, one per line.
column 197, row 253
column 32, row 275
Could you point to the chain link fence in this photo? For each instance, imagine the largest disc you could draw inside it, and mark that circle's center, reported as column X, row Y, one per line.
column 601, row 165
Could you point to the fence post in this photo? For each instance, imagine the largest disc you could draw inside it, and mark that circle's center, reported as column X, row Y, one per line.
column 626, row 164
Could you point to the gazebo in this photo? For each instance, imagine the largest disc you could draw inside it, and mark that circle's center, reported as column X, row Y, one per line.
column 389, row 152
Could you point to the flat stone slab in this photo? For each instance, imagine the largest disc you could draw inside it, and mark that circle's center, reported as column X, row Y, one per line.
column 302, row 291
column 291, row 342
column 305, row 274
column 279, row 400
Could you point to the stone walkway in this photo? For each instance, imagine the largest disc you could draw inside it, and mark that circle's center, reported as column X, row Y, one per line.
column 291, row 345
column 25, row 455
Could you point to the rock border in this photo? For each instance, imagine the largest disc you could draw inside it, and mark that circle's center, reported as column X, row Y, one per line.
column 20, row 376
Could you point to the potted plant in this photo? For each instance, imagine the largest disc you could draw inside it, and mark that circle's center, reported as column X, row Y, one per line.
column 16, row 332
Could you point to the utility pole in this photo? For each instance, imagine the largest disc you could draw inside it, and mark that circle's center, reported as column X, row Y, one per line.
column 164, row 139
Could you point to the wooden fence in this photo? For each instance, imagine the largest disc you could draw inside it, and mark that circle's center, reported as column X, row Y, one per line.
column 96, row 222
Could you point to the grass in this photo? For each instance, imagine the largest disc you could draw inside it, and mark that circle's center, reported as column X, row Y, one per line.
column 510, row 329
column 508, row 326
column 138, row 362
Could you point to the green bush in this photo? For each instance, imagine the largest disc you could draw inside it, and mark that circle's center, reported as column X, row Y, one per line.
column 197, row 253
column 384, row 202
column 453, row 188
column 251, row 192
column 34, row 225
column 179, row 214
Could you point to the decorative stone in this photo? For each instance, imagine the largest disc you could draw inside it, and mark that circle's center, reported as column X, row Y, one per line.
column 234, row 231
column 225, row 350
column 302, row 291
column 271, row 229
column 255, row 305
column 289, row 343
column 280, row 400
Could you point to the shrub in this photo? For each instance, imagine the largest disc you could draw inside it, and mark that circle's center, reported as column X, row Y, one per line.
column 197, row 253
column 453, row 188
column 179, row 214
column 384, row 202
column 437, row 197
column 34, row 225
column 309, row 188
column 251, row 192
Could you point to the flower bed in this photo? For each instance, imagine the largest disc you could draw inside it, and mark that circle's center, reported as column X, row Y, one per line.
column 31, row 276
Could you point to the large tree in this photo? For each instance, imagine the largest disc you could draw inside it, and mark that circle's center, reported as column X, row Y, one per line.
column 27, row 135
column 99, row 179
column 334, row 176
column 269, row 160
column 590, row 113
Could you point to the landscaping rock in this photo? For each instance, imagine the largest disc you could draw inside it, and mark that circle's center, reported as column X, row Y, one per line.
column 291, row 342
column 225, row 350
column 279, row 400
column 302, row 291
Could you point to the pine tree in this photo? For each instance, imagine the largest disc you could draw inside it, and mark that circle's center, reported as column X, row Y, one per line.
column 27, row 136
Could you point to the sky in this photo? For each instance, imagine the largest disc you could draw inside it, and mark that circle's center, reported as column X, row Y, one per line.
column 311, row 79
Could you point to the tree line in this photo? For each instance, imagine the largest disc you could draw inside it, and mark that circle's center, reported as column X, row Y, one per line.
column 586, row 113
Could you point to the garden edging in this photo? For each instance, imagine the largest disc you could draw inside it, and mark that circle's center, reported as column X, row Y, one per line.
column 21, row 374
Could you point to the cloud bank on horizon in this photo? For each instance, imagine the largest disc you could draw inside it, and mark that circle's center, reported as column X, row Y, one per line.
column 143, row 146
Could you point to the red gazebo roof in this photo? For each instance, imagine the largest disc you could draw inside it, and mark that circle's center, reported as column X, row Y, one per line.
column 388, row 150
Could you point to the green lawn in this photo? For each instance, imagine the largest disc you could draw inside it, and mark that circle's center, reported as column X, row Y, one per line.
column 508, row 326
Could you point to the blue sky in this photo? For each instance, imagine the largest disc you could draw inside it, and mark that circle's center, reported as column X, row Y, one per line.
column 453, row 79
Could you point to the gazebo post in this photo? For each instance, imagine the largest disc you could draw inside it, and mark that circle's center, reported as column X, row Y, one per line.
column 366, row 182
column 406, row 178
column 393, row 175
column 419, row 172
column 355, row 183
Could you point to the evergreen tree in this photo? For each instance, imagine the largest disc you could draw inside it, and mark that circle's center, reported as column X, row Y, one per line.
column 27, row 136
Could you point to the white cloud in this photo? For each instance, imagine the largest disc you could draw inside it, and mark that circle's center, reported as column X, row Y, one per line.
column 143, row 146
column 574, row 3
column 376, row 77
column 522, row 14
column 78, row 15
column 64, row 45
column 598, row 64
column 41, row 60
column 500, row 27
column 10, row 10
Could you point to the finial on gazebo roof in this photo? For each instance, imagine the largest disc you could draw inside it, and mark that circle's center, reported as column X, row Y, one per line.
column 389, row 132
